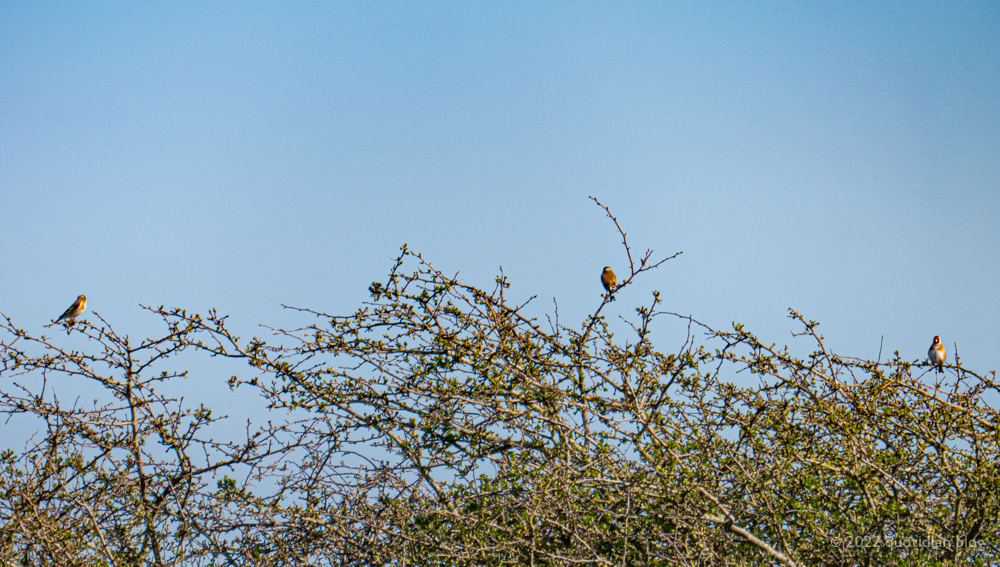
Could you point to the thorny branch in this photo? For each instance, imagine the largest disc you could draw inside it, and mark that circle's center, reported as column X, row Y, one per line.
column 440, row 423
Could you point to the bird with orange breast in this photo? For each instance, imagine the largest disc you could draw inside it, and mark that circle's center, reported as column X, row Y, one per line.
column 609, row 280
column 936, row 354
column 75, row 310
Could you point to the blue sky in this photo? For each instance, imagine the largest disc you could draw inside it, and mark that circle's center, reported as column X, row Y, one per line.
column 839, row 158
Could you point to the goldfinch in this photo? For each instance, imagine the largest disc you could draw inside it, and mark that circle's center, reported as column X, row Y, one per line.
column 936, row 354
column 75, row 310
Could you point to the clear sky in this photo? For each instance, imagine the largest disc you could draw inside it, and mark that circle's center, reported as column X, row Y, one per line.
column 840, row 158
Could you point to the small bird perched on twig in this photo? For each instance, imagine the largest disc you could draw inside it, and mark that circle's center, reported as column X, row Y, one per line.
column 609, row 280
column 75, row 310
column 936, row 354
